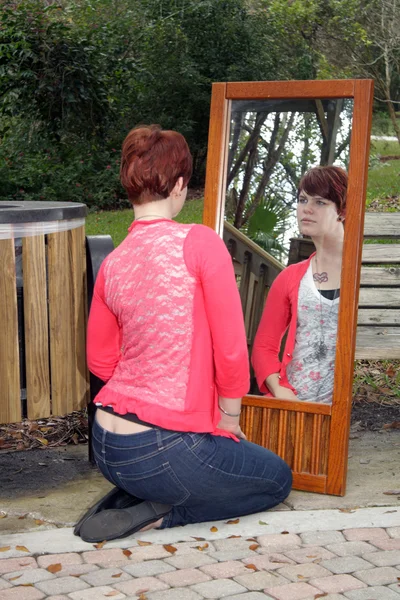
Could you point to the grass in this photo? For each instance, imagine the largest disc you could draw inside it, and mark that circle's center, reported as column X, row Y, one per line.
column 383, row 177
column 116, row 222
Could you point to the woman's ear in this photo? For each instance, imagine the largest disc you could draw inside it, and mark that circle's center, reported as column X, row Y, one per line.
column 178, row 187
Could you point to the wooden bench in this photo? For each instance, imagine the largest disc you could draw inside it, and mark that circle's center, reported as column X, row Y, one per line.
column 378, row 331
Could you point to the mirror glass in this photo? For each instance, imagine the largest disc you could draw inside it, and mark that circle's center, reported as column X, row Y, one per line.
column 272, row 144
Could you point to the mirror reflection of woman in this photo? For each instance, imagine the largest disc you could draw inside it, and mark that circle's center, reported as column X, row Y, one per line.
column 304, row 299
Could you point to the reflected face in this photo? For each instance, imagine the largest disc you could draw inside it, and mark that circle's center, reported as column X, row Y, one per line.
column 317, row 216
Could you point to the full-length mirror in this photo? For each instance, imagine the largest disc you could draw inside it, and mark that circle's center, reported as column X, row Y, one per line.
column 273, row 144
column 285, row 187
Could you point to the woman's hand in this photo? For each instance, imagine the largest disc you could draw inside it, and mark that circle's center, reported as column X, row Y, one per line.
column 283, row 393
column 277, row 390
column 230, row 409
column 235, row 429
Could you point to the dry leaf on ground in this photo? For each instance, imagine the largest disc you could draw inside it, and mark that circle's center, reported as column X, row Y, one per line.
column 203, row 547
column 233, row 521
column 54, row 568
column 254, row 547
column 143, row 543
column 170, row 548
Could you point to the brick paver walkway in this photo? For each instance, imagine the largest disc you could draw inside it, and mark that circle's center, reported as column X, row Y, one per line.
column 353, row 564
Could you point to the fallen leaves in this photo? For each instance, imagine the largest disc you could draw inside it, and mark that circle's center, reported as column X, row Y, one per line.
column 213, row 529
column 169, row 548
column 262, row 523
column 394, row 425
column 5, row 548
column 203, row 547
column 198, row 539
column 233, row 521
column 392, row 493
column 113, row 593
column 116, row 575
column 347, row 510
column 45, row 433
column 252, row 567
column 254, row 547
column 22, row 549
column 143, row 543
column 100, row 545
column 55, row 568
column 14, row 578
column 42, row 441
column 127, row 553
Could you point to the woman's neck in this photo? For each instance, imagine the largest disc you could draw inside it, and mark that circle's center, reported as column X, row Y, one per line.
column 157, row 209
column 329, row 249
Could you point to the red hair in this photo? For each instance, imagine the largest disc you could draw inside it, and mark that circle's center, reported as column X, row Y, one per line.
column 152, row 161
column 327, row 182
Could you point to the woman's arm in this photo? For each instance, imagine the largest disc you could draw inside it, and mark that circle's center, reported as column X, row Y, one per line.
column 267, row 343
column 273, row 383
column 103, row 347
column 211, row 262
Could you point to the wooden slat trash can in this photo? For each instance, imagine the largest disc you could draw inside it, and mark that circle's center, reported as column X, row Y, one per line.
column 43, row 300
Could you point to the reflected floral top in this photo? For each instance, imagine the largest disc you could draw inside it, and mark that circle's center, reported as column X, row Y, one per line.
column 311, row 370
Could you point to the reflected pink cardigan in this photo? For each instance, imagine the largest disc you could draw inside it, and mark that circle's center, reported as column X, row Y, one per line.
column 280, row 312
column 166, row 327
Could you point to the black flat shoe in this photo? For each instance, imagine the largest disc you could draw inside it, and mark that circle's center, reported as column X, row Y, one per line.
column 119, row 523
column 116, row 499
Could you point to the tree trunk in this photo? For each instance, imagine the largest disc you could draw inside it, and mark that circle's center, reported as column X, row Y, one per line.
column 392, row 115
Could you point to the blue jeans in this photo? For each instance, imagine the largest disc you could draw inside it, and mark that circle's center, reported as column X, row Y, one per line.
column 203, row 477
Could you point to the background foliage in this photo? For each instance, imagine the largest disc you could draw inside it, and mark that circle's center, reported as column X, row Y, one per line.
column 76, row 75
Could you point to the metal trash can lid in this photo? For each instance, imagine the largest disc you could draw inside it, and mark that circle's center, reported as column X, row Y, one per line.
column 34, row 212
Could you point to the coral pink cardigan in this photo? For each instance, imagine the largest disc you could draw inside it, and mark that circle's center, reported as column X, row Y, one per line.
column 280, row 312
column 166, row 327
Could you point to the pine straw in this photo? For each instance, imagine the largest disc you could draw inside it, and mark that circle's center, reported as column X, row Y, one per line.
column 45, row 433
column 377, row 381
column 388, row 204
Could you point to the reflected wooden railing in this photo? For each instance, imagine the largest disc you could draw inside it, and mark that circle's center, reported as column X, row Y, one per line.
column 255, row 271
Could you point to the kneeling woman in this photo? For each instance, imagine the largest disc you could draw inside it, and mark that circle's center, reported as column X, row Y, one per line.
column 304, row 299
column 166, row 333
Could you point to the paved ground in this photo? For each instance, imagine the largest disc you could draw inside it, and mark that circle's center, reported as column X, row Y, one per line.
column 274, row 555
column 312, row 546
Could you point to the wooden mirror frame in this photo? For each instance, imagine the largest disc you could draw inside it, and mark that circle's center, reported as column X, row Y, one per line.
column 314, row 436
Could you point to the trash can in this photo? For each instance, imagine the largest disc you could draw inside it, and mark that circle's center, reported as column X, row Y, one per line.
column 43, row 299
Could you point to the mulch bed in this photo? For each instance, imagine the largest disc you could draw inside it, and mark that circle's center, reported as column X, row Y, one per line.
column 382, row 205
column 45, row 433
column 389, row 157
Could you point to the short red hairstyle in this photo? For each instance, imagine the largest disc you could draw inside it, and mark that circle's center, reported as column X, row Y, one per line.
column 152, row 161
column 329, row 182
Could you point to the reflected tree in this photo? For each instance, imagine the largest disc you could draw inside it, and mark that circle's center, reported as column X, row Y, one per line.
column 272, row 145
